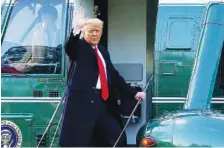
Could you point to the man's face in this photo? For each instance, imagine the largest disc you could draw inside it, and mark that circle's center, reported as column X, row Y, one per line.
column 92, row 33
column 46, row 20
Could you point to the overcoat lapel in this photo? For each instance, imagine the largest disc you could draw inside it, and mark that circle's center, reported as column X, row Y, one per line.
column 102, row 51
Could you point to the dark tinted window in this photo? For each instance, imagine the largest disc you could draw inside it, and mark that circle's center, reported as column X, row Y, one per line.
column 221, row 69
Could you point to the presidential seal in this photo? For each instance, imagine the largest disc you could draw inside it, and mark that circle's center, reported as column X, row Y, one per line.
column 11, row 135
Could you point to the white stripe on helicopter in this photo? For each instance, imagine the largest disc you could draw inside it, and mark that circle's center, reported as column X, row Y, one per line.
column 57, row 99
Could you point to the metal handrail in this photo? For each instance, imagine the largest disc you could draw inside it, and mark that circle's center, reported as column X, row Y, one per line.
column 132, row 113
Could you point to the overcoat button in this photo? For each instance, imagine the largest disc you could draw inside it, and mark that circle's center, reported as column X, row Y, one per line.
column 92, row 101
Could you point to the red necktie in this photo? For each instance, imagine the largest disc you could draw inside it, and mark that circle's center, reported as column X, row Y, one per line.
column 103, row 79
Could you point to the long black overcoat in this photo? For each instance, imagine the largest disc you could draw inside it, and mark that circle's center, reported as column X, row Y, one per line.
column 81, row 108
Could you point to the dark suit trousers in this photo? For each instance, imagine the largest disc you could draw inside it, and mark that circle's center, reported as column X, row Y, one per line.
column 96, row 129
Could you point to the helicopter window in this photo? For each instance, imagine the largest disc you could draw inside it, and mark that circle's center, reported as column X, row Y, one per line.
column 179, row 34
column 5, row 9
column 33, row 39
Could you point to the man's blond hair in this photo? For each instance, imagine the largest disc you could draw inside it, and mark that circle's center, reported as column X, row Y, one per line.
column 92, row 21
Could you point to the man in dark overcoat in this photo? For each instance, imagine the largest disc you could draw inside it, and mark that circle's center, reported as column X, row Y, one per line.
column 90, row 111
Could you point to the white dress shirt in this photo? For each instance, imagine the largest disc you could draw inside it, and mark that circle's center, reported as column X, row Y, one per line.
column 98, row 84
